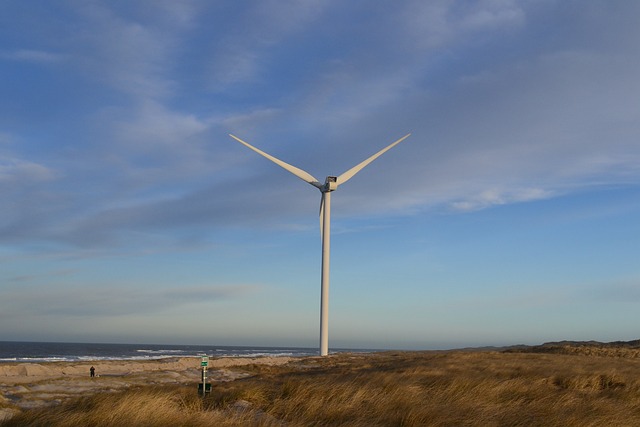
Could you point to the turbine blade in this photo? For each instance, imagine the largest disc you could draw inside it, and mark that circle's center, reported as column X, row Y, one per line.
column 305, row 176
column 321, row 217
column 354, row 170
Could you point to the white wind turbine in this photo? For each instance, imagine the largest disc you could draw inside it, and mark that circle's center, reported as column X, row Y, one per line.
column 331, row 183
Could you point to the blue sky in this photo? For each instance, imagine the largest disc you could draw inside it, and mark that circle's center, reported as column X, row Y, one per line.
column 511, row 215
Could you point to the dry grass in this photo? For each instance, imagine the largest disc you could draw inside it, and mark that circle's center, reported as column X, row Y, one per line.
column 145, row 406
column 398, row 389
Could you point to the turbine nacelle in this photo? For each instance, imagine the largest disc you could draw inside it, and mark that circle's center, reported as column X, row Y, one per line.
column 330, row 184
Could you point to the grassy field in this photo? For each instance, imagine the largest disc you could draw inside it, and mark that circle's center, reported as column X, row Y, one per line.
column 587, row 386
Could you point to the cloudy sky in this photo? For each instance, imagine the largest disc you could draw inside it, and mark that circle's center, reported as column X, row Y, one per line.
column 511, row 215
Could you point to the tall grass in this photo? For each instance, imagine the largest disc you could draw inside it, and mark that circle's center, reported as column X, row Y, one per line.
column 398, row 389
column 146, row 406
column 465, row 389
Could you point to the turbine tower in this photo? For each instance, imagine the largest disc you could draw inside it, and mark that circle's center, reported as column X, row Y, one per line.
column 331, row 183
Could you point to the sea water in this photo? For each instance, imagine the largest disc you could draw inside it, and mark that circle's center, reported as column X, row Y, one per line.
column 70, row 352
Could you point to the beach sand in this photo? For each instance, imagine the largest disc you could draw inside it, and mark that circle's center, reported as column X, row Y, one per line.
column 32, row 385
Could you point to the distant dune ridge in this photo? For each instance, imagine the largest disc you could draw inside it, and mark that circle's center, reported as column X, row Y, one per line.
column 560, row 383
column 629, row 349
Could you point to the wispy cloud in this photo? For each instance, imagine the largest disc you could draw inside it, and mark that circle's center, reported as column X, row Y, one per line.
column 33, row 56
column 81, row 301
column 156, row 132
column 496, row 197
column 16, row 171
column 131, row 52
column 438, row 23
column 242, row 54
column 31, row 277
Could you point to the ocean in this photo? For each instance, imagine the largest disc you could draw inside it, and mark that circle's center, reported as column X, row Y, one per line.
column 70, row 352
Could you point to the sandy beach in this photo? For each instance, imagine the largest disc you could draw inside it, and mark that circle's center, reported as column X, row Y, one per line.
column 32, row 385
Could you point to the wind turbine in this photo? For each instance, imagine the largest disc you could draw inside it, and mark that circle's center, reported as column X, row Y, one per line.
column 331, row 183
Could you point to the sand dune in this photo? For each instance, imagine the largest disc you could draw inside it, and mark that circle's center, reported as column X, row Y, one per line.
column 29, row 372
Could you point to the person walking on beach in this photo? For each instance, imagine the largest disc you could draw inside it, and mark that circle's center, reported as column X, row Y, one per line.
column 93, row 371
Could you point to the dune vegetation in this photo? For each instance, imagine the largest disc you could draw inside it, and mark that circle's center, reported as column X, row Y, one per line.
column 533, row 387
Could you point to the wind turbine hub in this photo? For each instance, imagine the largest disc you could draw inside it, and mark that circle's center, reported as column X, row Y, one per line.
column 330, row 184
